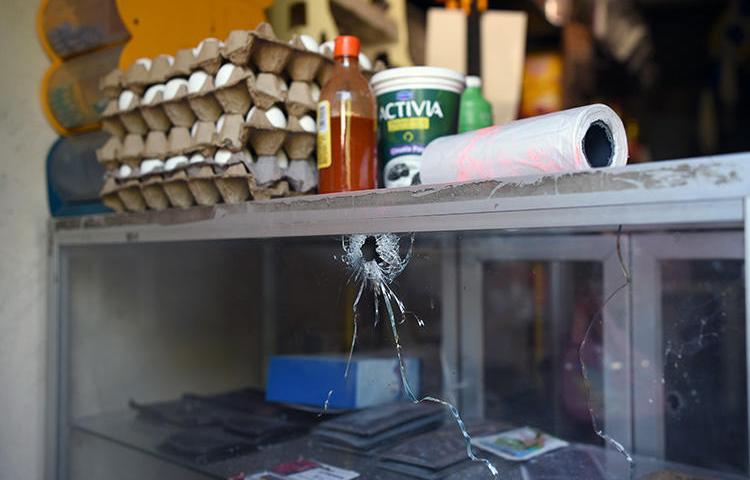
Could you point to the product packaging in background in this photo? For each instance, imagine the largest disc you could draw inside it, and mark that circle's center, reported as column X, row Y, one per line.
column 520, row 444
column 502, row 43
column 415, row 106
column 307, row 380
column 542, row 84
column 578, row 139
column 475, row 111
column 302, row 469
column 74, row 177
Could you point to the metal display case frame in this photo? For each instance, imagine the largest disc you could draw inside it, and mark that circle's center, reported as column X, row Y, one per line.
column 687, row 194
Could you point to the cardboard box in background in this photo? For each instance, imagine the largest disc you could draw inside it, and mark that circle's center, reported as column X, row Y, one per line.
column 503, row 52
column 446, row 39
column 503, row 47
column 307, row 379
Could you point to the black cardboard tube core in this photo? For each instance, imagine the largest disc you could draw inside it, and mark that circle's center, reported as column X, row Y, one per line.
column 598, row 145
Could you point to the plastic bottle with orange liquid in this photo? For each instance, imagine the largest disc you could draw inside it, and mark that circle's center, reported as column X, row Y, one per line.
column 347, row 140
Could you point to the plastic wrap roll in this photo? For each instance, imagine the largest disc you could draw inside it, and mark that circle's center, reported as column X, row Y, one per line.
column 581, row 138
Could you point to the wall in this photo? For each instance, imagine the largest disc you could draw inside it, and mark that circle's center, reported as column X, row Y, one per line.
column 25, row 138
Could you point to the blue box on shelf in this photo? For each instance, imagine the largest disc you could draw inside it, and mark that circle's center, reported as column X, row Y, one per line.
column 307, row 379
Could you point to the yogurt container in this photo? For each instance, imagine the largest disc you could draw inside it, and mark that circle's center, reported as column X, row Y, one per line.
column 415, row 106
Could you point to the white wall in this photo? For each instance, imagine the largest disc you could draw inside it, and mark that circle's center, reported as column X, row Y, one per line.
column 25, row 138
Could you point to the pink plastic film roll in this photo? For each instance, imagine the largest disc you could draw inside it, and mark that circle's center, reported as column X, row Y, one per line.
column 582, row 138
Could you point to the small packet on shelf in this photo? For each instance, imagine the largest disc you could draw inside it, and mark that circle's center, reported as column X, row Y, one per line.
column 519, row 444
column 302, row 469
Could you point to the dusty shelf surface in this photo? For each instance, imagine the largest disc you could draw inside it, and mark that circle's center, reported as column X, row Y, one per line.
column 127, row 430
column 707, row 189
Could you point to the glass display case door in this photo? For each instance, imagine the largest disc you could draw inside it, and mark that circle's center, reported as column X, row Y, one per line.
column 663, row 316
column 689, row 354
column 559, row 254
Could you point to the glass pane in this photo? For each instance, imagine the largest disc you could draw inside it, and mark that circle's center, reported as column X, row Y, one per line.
column 176, row 351
column 315, row 301
column 535, row 316
column 705, row 367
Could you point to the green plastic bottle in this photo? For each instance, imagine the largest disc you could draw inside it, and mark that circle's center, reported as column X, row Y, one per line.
column 475, row 111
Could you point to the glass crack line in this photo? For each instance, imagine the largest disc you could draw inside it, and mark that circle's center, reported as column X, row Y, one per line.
column 377, row 273
column 325, row 403
column 584, row 371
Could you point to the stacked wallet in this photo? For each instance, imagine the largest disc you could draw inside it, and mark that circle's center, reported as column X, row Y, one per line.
column 365, row 430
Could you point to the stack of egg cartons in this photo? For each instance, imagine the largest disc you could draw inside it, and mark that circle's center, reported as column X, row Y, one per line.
column 224, row 121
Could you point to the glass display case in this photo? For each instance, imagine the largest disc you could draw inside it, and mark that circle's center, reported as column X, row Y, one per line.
column 605, row 308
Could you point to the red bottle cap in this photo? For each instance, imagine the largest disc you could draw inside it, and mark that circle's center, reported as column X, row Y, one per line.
column 346, row 46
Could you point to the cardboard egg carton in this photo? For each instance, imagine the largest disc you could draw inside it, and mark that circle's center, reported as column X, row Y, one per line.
column 269, row 131
column 266, row 130
column 170, row 117
column 208, row 55
column 152, row 110
column 269, row 54
column 238, row 47
column 326, row 70
column 300, row 58
column 109, row 194
column 181, row 182
column 150, row 179
column 302, row 98
column 239, row 177
column 278, row 190
column 111, row 122
column 231, row 88
column 302, row 175
column 232, row 174
column 155, row 146
column 129, row 112
column 160, row 70
column 176, row 104
column 146, row 72
column 175, row 182
column 136, row 77
column 129, row 189
column 231, row 132
column 305, row 61
column 184, row 64
column 200, row 180
column 275, row 176
column 267, row 90
column 203, row 139
column 108, row 154
column 201, row 97
column 178, row 141
column 111, row 84
column 135, row 189
column 131, row 152
column 268, row 170
column 301, row 138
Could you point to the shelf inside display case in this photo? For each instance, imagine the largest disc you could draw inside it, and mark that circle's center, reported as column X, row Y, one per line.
column 126, row 429
column 680, row 191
